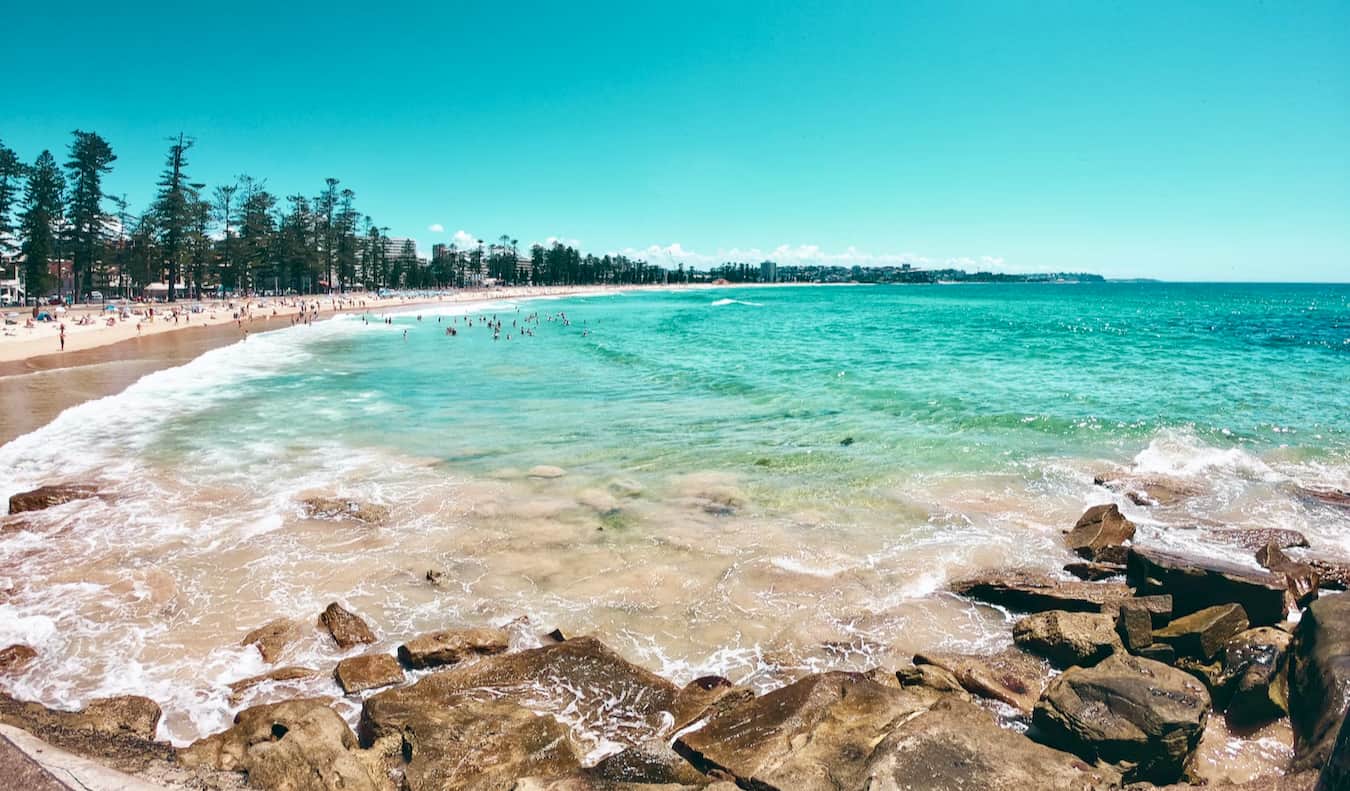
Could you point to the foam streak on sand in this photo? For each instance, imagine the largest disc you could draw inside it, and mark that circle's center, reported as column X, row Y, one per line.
column 704, row 513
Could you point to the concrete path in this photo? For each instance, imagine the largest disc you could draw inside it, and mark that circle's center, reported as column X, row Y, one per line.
column 28, row 763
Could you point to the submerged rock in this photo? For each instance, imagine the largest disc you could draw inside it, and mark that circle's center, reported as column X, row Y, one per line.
column 1202, row 634
column 1068, row 638
column 15, row 658
column 1141, row 716
column 450, row 646
column 45, row 497
column 281, row 674
column 817, row 733
column 546, row 471
column 337, row 508
column 1196, row 583
column 347, row 628
column 1011, row 676
column 1031, row 591
column 1148, row 489
column 272, row 638
column 1101, row 533
column 370, row 671
column 299, row 745
column 1319, row 679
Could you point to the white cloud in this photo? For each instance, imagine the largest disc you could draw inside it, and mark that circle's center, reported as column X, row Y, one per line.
column 802, row 254
column 436, row 227
column 465, row 239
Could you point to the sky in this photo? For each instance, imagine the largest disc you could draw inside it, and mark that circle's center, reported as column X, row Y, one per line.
column 1178, row 140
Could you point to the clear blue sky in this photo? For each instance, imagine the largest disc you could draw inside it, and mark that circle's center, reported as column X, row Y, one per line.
column 1169, row 139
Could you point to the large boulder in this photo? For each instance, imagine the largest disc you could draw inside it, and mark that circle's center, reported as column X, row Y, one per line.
column 1068, row 638
column 958, row 746
column 1255, row 665
column 1011, row 676
column 1319, row 678
column 273, row 637
column 1335, row 775
column 818, row 733
column 1101, row 534
column 449, row 646
column 579, row 679
column 347, row 628
column 1141, row 716
column 369, row 671
column 1030, row 591
column 1202, row 634
column 45, row 497
column 1196, row 583
column 299, row 745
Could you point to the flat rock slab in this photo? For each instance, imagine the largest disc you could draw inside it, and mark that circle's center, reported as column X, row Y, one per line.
column 1012, row 676
column 1142, row 716
column 579, row 680
column 1196, row 583
column 1255, row 538
column 278, row 676
column 1030, row 591
column 371, row 671
column 958, row 746
column 815, row 734
column 1202, row 634
column 450, row 646
column 117, row 730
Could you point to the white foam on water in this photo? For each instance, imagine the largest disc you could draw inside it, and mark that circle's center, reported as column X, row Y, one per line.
column 1180, row 453
column 726, row 301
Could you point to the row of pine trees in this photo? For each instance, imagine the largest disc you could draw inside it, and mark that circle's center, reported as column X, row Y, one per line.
column 238, row 237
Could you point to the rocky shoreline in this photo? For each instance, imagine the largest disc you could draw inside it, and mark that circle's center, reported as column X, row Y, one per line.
column 1111, row 683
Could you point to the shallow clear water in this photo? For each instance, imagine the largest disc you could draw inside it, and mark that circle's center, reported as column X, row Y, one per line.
column 757, row 481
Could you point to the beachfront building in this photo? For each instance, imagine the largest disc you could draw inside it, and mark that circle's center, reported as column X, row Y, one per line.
column 768, row 272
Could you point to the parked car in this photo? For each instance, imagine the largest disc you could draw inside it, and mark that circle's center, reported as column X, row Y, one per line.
column 95, row 296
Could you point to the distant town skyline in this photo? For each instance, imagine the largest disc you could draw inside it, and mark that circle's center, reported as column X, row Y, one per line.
column 1192, row 141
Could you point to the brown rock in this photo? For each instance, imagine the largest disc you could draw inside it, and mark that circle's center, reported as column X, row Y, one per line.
column 238, row 688
column 1303, row 578
column 1159, row 652
column 1100, row 534
column 1196, row 583
column 1134, row 624
column 645, row 768
column 1030, row 591
column 817, row 733
column 956, row 745
column 15, row 658
column 1067, row 638
column 273, row 637
column 1011, row 676
column 299, row 745
column 1333, row 574
column 702, row 696
column 1159, row 607
column 1332, row 497
column 1255, row 666
column 45, row 497
column 346, row 628
column 580, row 679
column 930, row 676
column 1319, row 679
column 1202, row 634
column 359, row 673
column 449, row 646
column 119, row 731
column 1335, row 775
column 1142, row 716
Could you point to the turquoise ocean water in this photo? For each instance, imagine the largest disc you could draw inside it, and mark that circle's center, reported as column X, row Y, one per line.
column 753, row 481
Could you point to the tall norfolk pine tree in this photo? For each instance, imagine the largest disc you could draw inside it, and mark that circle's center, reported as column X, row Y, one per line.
column 40, row 221
column 174, row 208
column 90, row 158
column 11, row 173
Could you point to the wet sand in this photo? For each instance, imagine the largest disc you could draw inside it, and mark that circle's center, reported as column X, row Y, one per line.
column 37, row 389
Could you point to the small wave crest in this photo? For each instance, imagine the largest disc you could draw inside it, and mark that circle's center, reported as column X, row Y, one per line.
column 1182, row 454
column 719, row 303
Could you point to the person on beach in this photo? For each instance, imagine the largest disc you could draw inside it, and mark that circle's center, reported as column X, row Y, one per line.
column 63, row 336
